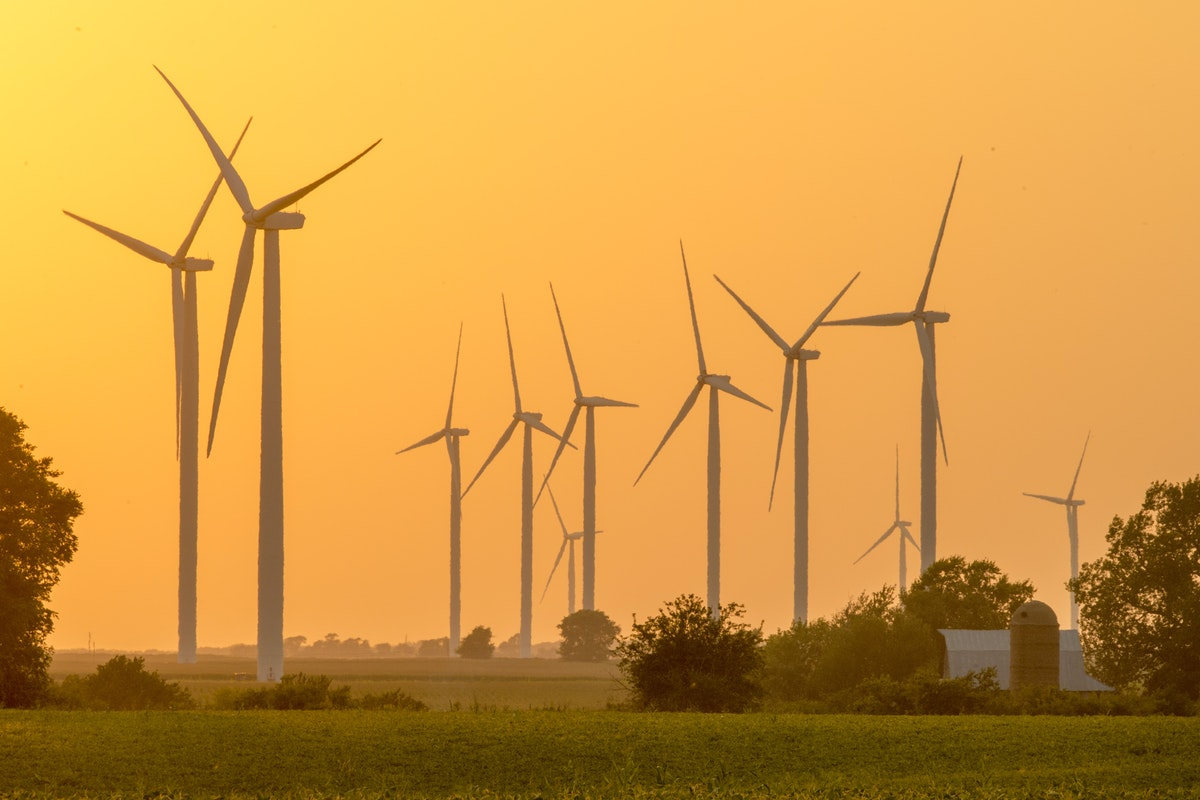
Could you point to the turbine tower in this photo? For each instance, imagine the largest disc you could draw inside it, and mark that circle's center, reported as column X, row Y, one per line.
column 271, row 219
column 589, row 465
column 795, row 354
column 1072, row 526
column 904, row 534
column 187, row 398
column 568, row 541
column 716, row 384
column 452, row 436
column 931, row 416
column 532, row 421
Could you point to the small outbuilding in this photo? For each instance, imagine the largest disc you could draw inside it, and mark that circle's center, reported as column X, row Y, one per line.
column 971, row 651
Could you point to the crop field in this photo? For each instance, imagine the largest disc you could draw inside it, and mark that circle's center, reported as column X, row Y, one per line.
column 591, row 754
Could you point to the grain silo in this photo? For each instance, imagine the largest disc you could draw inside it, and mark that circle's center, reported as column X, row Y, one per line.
column 1033, row 647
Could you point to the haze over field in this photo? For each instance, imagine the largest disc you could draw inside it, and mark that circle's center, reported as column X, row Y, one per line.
column 788, row 147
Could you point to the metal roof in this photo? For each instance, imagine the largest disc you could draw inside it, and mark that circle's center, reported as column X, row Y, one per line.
column 972, row 651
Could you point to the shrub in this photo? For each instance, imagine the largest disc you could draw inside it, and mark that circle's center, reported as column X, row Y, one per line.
column 123, row 684
column 293, row 692
column 395, row 699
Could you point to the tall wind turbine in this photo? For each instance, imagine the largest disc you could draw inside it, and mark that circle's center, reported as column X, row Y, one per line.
column 904, row 534
column 532, row 421
column 589, row 464
column 716, row 384
column 452, row 436
column 568, row 543
column 270, row 219
column 1072, row 526
column 187, row 398
column 795, row 354
column 931, row 417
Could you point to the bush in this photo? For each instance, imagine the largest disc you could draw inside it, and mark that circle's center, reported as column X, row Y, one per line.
column 395, row 699
column 293, row 692
column 684, row 659
column 477, row 643
column 122, row 684
column 587, row 635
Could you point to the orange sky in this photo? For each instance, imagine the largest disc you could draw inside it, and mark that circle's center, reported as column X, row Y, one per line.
column 789, row 145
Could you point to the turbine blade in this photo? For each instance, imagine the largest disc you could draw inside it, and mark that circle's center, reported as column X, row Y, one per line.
column 454, row 380
column 783, row 415
column 878, row 542
column 1071, row 494
column 692, row 308
column 566, row 345
column 212, row 193
column 604, row 402
column 554, row 569
column 281, row 203
column 177, row 331
column 237, row 298
column 683, row 412
column 897, row 482
column 908, row 535
column 236, row 185
column 504, row 437
column 136, row 245
column 546, row 429
column 1056, row 500
column 762, row 323
column 430, row 439
column 557, row 513
column 512, row 361
column 562, row 445
column 875, row 320
column 927, row 370
column 722, row 383
column 816, row 323
column 938, row 243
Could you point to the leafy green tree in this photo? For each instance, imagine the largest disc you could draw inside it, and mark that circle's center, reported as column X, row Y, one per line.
column 587, row 635
column 36, row 539
column 124, row 684
column 684, row 658
column 974, row 595
column 1139, row 605
column 477, row 643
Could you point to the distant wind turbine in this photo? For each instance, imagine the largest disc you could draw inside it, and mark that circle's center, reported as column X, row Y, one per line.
column 532, row 421
column 187, row 397
column 1072, row 526
column 271, row 219
column 715, row 384
column 589, row 464
column 904, row 534
column 931, row 416
column 794, row 354
column 568, row 543
column 452, row 436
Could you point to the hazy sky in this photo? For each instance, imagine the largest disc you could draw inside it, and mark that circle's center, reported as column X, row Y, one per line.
column 789, row 145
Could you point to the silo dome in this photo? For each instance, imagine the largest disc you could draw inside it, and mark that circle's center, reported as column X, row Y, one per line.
column 1033, row 646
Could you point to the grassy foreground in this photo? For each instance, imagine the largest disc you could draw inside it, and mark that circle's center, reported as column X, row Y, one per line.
column 591, row 754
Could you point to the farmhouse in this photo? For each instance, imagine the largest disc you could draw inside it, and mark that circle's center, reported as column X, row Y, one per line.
column 971, row 651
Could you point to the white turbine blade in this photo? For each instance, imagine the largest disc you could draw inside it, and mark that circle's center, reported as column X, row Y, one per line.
column 692, row 309
column 1075, row 480
column 723, row 384
column 875, row 320
column 938, row 243
column 546, row 429
column 512, row 361
column 816, row 323
column 430, row 439
column 927, row 357
column 1056, row 500
column 878, row 542
column 908, row 535
column 604, row 402
column 212, row 193
column 236, row 185
column 504, row 437
column 783, row 415
column 136, row 245
column 566, row 344
column 177, row 331
column 237, row 298
column 557, row 513
column 554, row 569
column 762, row 323
column 683, row 412
column 281, row 203
column 562, row 445
column 454, row 380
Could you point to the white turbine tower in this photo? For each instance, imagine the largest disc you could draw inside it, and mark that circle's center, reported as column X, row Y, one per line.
column 452, row 436
column 1072, row 526
column 931, row 417
column 568, row 544
column 903, row 534
column 532, row 421
column 187, row 398
column 716, row 384
column 795, row 354
column 589, row 464
column 270, row 219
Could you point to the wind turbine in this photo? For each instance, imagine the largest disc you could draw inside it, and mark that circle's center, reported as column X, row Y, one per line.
column 452, row 436
column 568, row 541
column 931, row 416
column 187, row 397
column 271, row 219
column 589, row 465
column 1072, row 526
column 797, row 355
column 904, row 534
column 716, row 384
column 532, row 421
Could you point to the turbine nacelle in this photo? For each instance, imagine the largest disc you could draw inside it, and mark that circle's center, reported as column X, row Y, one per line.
column 457, row 431
column 278, row 221
column 528, row 417
column 192, row 264
column 931, row 317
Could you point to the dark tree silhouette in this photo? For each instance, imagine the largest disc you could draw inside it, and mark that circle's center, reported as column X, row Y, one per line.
column 477, row 643
column 587, row 635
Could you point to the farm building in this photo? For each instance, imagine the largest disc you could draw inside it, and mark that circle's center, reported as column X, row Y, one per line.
column 970, row 651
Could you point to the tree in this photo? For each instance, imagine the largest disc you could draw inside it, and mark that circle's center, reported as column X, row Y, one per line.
column 477, row 643
column 587, row 635
column 975, row 595
column 124, row 684
column 684, row 658
column 36, row 540
column 1139, row 605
